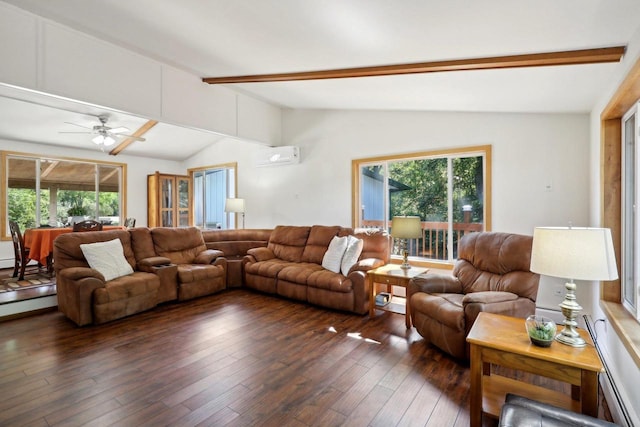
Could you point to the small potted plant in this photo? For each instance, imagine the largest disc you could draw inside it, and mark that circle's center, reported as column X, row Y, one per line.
column 541, row 330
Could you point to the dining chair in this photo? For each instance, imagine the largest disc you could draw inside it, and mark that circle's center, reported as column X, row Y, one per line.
column 87, row 225
column 21, row 253
column 130, row 222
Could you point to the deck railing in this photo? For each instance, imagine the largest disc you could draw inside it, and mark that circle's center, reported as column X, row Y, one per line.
column 433, row 243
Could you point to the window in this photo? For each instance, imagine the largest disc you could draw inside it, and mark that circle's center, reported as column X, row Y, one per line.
column 447, row 189
column 47, row 191
column 211, row 188
column 630, row 216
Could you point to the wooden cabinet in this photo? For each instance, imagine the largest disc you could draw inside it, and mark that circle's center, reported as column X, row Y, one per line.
column 169, row 200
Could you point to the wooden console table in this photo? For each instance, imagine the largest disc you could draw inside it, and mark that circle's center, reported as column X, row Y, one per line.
column 503, row 341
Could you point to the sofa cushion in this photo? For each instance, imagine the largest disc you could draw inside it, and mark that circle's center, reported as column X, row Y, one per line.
column 351, row 254
column 333, row 256
column 180, row 245
column 443, row 308
column 299, row 272
column 287, row 242
column 269, row 268
column 67, row 252
column 376, row 243
column 126, row 287
column 188, row 273
column 319, row 238
column 328, row 280
column 107, row 257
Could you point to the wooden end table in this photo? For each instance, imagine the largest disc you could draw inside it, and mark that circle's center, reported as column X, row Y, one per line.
column 391, row 275
column 503, row 341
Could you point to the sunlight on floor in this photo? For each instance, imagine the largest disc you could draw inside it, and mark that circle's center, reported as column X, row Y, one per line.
column 355, row 335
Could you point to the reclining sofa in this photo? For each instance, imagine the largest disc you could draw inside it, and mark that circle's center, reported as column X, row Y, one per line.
column 291, row 266
column 164, row 263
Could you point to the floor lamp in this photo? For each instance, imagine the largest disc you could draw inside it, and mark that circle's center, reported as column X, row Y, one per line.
column 235, row 206
column 573, row 253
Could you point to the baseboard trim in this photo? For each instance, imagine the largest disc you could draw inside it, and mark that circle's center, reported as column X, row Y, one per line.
column 27, row 313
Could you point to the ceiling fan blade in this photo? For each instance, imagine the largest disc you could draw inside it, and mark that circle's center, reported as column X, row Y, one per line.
column 75, row 124
column 119, row 129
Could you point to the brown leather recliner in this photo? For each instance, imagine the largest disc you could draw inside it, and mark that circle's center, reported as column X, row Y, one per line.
column 491, row 274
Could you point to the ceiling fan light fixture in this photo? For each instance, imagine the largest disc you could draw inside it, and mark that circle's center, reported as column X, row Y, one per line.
column 105, row 140
column 108, row 141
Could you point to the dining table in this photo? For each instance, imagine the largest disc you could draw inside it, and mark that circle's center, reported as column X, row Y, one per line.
column 39, row 241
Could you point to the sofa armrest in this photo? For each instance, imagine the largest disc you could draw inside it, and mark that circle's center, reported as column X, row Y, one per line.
column 435, row 284
column 221, row 262
column 208, row 256
column 75, row 292
column 147, row 264
column 488, row 297
column 261, row 254
column 77, row 273
column 367, row 264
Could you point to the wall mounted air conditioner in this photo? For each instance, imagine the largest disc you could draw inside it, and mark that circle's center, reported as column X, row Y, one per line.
column 276, row 156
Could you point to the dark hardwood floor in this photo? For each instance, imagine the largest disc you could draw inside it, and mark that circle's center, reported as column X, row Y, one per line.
column 236, row 358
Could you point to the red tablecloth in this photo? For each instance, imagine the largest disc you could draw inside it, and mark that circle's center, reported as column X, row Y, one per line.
column 39, row 241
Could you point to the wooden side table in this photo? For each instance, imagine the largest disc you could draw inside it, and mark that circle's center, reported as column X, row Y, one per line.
column 503, row 341
column 391, row 275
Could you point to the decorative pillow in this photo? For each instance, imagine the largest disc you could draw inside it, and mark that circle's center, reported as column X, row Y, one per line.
column 333, row 256
column 351, row 254
column 108, row 258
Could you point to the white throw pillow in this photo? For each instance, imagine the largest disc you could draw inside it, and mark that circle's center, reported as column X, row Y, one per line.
column 333, row 256
column 351, row 255
column 108, row 258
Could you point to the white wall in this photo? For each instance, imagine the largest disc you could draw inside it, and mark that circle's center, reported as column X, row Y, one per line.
column 43, row 55
column 529, row 151
column 137, row 170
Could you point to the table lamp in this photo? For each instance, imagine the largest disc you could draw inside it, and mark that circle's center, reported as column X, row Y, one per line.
column 403, row 228
column 235, row 206
column 573, row 253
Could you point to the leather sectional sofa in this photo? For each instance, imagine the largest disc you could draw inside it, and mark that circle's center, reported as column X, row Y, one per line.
column 171, row 264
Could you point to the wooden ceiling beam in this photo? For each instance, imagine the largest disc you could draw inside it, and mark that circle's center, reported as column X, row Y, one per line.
column 106, row 177
column 571, row 57
column 128, row 141
column 49, row 169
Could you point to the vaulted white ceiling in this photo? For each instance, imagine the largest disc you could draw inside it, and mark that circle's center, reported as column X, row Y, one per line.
column 221, row 37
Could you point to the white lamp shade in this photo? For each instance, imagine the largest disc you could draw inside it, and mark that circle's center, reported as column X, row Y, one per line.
column 406, row 227
column 574, row 253
column 234, row 205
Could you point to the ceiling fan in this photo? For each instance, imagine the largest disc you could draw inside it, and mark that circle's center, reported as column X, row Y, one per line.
column 105, row 136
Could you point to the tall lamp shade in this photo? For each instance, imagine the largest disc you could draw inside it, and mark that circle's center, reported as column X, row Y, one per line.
column 573, row 253
column 406, row 227
column 235, row 205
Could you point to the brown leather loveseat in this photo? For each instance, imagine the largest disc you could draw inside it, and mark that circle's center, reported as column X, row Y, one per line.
column 291, row 266
column 491, row 274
